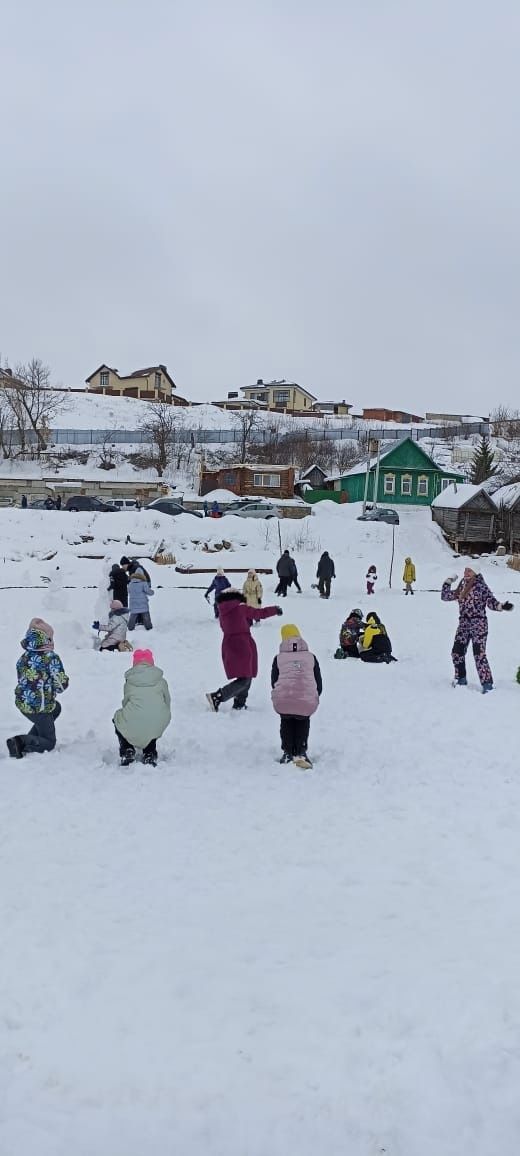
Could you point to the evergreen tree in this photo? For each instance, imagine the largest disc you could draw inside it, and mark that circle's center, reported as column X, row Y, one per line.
column 483, row 462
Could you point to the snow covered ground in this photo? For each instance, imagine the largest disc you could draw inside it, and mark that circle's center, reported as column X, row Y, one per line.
column 228, row 957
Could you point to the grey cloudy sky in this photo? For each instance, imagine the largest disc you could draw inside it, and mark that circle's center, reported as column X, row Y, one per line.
column 326, row 191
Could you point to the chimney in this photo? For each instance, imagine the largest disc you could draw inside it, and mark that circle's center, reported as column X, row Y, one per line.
column 259, row 381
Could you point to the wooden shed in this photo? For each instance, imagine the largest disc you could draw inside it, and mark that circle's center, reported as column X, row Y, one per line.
column 507, row 508
column 467, row 516
column 250, row 481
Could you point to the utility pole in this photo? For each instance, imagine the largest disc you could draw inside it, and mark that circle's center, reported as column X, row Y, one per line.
column 367, row 477
column 376, row 477
column 392, row 558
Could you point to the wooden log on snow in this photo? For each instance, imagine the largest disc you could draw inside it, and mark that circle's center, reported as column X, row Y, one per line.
column 228, row 569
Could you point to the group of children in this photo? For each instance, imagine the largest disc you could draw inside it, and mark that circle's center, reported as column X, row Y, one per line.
column 142, row 718
column 367, row 640
column 131, row 587
column 296, row 683
column 252, row 589
column 409, row 577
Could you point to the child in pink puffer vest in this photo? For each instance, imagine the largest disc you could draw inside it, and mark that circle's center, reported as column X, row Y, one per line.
column 296, row 688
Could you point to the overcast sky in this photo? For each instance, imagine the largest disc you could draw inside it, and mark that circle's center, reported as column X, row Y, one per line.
column 322, row 190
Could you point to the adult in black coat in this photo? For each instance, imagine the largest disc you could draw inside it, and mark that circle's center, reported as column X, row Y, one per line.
column 287, row 572
column 325, row 573
column 118, row 584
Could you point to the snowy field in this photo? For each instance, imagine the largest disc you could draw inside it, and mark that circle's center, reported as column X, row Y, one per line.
column 223, row 956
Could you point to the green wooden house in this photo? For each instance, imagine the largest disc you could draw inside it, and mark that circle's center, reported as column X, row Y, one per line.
column 407, row 476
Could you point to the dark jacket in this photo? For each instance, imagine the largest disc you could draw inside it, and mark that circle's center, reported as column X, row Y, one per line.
column 220, row 583
column 286, row 566
column 118, row 584
column 239, row 653
column 325, row 567
column 136, row 565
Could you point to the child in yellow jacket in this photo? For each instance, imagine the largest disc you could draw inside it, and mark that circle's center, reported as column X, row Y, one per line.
column 408, row 575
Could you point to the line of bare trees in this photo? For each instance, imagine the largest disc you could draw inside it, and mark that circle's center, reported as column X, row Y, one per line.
column 28, row 406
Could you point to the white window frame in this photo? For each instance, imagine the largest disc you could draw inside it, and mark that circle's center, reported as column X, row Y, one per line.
column 104, row 378
column 158, row 380
column 389, row 483
column 423, row 486
column 445, row 482
column 267, row 481
column 406, row 485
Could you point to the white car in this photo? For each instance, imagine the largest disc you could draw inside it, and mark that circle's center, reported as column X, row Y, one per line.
column 256, row 510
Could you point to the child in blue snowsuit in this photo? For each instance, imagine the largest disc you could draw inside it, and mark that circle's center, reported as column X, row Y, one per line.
column 220, row 583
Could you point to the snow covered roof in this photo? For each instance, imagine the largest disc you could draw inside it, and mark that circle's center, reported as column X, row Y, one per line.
column 455, row 496
column 309, row 470
column 361, row 467
column 507, row 496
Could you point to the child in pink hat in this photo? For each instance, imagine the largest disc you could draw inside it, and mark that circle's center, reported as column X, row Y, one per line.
column 145, row 712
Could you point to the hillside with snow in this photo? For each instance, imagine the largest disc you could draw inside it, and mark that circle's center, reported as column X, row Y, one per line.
column 226, row 955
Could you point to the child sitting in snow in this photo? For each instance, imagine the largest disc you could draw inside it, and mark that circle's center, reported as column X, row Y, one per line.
column 371, row 579
column 349, row 635
column 40, row 678
column 116, row 628
column 375, row 645
column 296, row 688
column 220, row 583
column 146, row 710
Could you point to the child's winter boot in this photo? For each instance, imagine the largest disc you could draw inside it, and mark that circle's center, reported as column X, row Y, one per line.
column 214, row 700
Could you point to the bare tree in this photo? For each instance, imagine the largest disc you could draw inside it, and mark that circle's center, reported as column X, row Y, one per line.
column 505, row 422
column 159, row 424
column 107, row 455
column 247, row 421
column 33, row 402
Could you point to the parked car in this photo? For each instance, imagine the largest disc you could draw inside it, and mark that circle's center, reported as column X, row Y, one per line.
column 255, row 510
column 38, row 505
column 126, row 503
column 82, row 502
column 172, row 507
column 380, row 514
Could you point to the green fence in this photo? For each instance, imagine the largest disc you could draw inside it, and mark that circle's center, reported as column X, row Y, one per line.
column 322, row 496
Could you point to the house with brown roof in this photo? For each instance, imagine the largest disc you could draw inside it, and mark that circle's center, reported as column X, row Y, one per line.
column 150, row 384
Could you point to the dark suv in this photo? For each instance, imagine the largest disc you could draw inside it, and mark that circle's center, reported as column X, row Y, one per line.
column 82, row 502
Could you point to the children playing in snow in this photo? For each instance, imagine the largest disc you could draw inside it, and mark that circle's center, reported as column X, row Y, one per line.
column 220, row 583
column 408, row 575
column 374, row 644
column 146, row 710
column 371, row 580
column 116, row 628
column 350, row 634
column 239, row 653
column 296, row 689
column 474, row 598
column 139, row 592
column 40, row 678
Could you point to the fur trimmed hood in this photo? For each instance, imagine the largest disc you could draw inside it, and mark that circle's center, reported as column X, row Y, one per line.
column 230, row 595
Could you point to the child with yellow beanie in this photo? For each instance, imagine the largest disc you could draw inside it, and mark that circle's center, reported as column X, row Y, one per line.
column 296, row 688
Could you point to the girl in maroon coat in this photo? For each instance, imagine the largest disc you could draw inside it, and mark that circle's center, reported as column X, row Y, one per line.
column 239, row 653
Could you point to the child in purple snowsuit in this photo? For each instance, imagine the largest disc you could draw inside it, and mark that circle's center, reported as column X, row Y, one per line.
column 474, row 598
